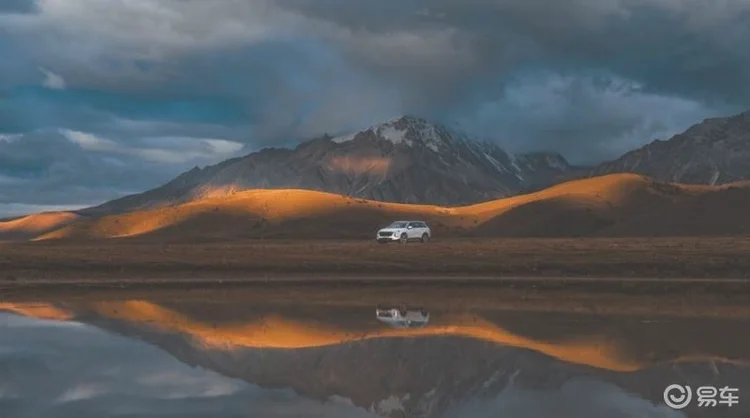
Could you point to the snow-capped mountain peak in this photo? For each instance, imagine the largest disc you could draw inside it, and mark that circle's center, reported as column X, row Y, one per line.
column 408, row 130
column 405, row 160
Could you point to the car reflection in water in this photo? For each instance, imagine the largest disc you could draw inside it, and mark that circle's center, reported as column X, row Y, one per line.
column 400, row 317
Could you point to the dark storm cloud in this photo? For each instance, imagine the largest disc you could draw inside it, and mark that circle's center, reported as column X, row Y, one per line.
column 29, row 108
column 590, row 117
column 690, row 48
column 633, row 70
column 47, row 168
column 588, row 78
column 73, row 168
column 17, row 6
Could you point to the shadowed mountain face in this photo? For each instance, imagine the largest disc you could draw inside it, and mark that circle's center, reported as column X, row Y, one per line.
column 716, row 151
column 410, row 160
column 484, row 363
column 436, row 377
column 407, row 160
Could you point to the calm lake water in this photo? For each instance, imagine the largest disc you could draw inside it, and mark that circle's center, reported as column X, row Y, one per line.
column 291, row 352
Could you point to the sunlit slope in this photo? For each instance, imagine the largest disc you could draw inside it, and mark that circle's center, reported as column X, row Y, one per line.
column 254, row 213
column 37, row 310
column 618, row 204
column 32, row 226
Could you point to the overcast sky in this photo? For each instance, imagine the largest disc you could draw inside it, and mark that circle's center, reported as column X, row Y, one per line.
column 99, row 98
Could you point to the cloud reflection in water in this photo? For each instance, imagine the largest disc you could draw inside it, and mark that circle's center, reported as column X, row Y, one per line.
column 67, row 369
column 70, row 370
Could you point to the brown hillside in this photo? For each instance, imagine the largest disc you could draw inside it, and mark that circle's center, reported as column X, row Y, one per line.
column 31, row 226
column 719, row 211
column 618, row 205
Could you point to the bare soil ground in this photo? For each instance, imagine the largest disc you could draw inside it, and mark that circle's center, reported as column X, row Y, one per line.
column 132, row 260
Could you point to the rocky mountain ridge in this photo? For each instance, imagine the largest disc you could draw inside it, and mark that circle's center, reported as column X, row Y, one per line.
column 406, row 160
column 410, row 160
column 713, row 152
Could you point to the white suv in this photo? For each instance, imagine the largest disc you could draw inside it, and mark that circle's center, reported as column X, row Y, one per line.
column 403, row 318
column 404, row 231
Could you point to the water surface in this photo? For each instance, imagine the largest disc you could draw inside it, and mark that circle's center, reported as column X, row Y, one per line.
column 290, row 351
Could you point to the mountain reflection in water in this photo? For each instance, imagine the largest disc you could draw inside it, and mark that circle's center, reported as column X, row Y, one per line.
column 266, row 357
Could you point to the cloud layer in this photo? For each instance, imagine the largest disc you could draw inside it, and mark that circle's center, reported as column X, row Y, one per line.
column 588, row 78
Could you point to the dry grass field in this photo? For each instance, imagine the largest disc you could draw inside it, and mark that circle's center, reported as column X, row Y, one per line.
column 616, row 226
column 134, row 259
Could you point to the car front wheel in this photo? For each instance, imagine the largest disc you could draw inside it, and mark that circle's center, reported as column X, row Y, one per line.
column 425, row 237
column 404, row 238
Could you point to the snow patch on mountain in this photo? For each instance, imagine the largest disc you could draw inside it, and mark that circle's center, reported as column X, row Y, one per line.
column 404, row 130
column 516, row 168
column 344, row 138
column 495, row 162
column 555, row 162
column 404, row 160
column 393, row 134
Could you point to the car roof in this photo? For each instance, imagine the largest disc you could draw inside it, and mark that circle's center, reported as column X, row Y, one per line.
column 409, row 221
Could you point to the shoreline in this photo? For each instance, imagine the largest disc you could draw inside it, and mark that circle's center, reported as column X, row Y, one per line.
column 678, row 299
column 571, row 261
column 590, row 295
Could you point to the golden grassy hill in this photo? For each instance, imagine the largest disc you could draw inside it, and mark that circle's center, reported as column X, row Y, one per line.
column 32, row 226
column 618, row 204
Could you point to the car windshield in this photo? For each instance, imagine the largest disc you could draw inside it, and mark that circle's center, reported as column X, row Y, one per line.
column 398, row 225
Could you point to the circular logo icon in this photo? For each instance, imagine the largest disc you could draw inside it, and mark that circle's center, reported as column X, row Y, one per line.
column 677, row 396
